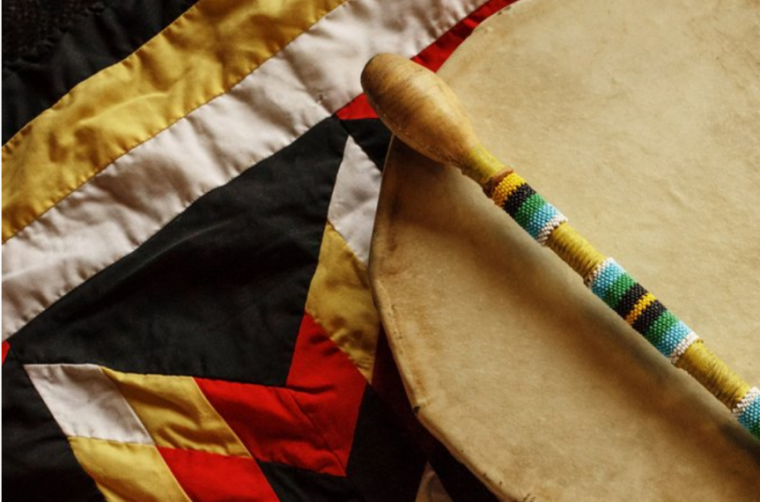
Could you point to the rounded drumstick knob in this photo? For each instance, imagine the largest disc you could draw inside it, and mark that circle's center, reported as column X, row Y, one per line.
column 423, row 111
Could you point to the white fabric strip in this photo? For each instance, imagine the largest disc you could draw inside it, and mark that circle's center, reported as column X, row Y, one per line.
column 86, row 403
column 138, row 194
column 354, row 199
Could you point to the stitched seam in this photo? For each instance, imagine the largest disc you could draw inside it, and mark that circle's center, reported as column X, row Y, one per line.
column 44, row 47
column 316, row 429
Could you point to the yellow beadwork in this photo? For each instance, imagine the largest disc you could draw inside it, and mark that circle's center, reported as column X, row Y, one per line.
column 639, row 308
column 506, row 187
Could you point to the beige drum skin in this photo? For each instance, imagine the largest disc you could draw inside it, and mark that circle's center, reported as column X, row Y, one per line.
column 640, row 121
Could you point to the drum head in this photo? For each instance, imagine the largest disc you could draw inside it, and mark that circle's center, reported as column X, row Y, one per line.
column 641, row 122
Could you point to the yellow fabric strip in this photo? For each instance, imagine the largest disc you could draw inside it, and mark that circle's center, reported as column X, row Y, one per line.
column 126, row 472
column 201, row 55
column 340, row 301
column 176, row 413
column 640, row 307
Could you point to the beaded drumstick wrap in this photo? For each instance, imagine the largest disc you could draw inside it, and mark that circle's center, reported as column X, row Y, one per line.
column 632, row 302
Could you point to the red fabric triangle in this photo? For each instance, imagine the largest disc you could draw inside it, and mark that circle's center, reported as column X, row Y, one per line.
column 208, row 477
column 310, row 424
column 271, row 424
column 327, row 386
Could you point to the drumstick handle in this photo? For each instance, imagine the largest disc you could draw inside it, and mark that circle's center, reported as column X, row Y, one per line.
column 423, row 111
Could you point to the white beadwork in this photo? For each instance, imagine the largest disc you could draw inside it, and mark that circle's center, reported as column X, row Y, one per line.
column 682, row 346
column 749, row 397
column 594, row 274
column 550, row 227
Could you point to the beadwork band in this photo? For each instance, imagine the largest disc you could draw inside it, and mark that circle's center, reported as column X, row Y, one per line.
column 632, row 302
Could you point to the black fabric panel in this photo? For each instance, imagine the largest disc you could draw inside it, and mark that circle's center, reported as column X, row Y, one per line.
column 220, row 291
column 372, row 136
column 459, row 482
column 38, row 463
column 100, row 39
column 292, row 484
column 31, row 27
column 384, row 464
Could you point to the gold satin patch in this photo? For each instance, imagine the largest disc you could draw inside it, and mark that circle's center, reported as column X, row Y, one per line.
column 201, row 55
column 340, row 301
column 149, row 480
column 176, row 414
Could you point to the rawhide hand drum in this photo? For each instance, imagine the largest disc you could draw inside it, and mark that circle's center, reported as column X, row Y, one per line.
column 640, row 121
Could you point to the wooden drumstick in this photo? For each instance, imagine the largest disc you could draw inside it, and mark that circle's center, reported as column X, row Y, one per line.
column 424, row 112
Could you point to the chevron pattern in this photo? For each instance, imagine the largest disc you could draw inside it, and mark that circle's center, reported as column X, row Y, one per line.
column 227, row 353
column 203, row 439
